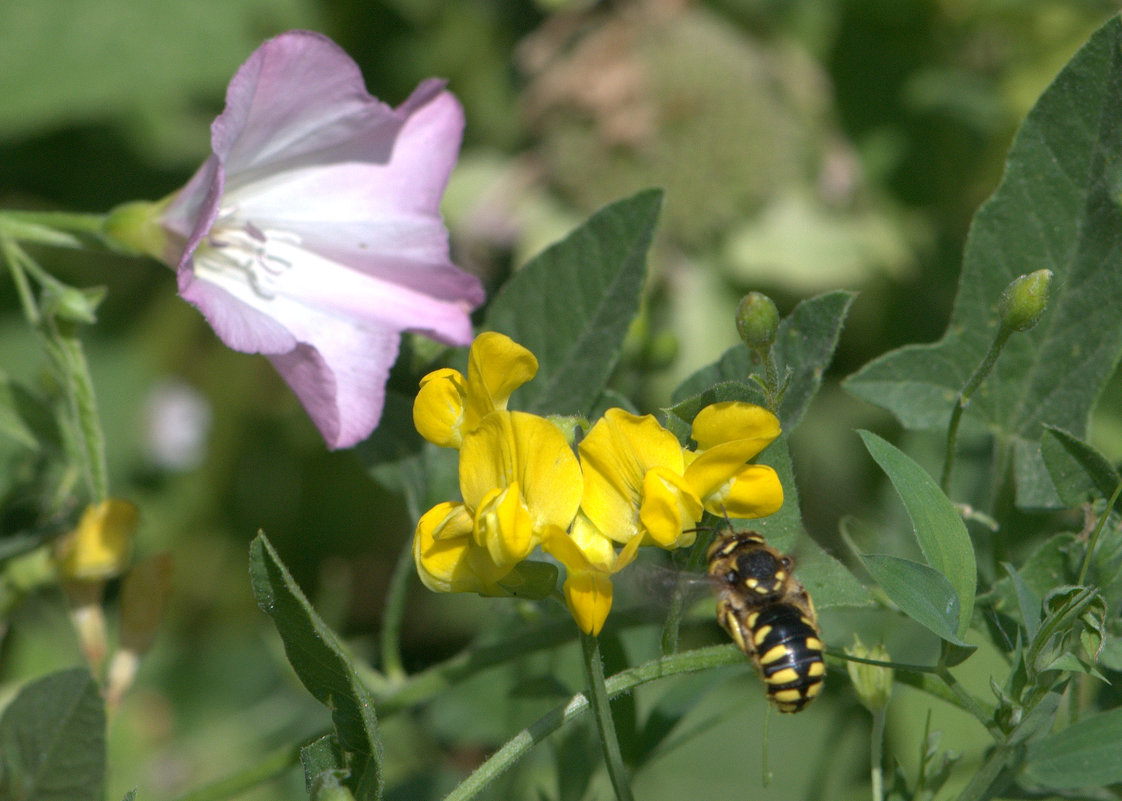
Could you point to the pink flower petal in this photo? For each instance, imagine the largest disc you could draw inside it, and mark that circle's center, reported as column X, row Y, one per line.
column 313, row 233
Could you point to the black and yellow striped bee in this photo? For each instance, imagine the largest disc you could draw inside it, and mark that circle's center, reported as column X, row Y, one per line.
column 769, row 616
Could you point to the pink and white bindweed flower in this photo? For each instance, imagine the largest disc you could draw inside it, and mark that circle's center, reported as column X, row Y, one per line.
column 313, row 233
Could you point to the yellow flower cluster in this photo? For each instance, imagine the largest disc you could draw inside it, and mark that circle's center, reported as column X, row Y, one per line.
column 523, row 486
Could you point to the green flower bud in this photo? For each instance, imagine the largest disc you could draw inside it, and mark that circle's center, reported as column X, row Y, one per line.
column 1024, row 300
column 872, row 683
column 757, row 320
column 72, row 304
column 134, row 228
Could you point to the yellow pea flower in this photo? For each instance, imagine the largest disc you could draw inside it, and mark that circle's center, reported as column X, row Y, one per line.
column 728, row 435
column 519, row 476
column 590, row 560
column 449, row 406
column 99, row 547
column 446, row 556
column 633, row 481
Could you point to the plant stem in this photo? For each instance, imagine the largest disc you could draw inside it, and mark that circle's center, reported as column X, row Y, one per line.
column 394, row 613
column 520, row 744
column 673, row 622
column 964, row 395
column 876, row 754
column 54, row 228
column 601, row 708
column 1095, row 535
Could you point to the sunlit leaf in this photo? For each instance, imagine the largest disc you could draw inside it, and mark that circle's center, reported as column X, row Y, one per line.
column 942, row 535
column 923, row 594
column 1057, row 208
column 322, row 665
column 804, row 344
column 572, row 305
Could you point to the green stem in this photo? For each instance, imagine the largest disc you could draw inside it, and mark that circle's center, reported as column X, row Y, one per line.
column 876, row 754
column 1095, row 535
column 602, row 710
column 520, row 744
column 964, row 396
column 673, row 622
column 971, row 704
column 56, row 229
column 982, row 782
column 393, row 615
column 16, row 260
column 86, row 439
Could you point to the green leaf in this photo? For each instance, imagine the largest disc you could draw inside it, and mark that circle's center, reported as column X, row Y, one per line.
column 922, row 593
column 804, row 344
column 130, row 795
column 322, row 664
column 1027, row 600
column 1057, row 208
column 940, row 531
column 1078, row 471
column 572, row 305
column 52, row 740
column 1085, row 754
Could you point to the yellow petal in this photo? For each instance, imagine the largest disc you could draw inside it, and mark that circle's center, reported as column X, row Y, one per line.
column 734, row 420
column 497, row 365
column 511, row 448
column 452, row 563
column 616, row 456
column 668, row 508
column 754, row 492
column 588, row 594
column 503, row 526
column 99, row 547
column 438, row 409
column 557, row 542
column 715, row 467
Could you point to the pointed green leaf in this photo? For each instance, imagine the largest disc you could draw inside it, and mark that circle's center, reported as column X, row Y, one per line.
column 1057, row 208
column 1085, row 754
column 804, row 344
column 322, row 664
column 939, row 529
column 52, row 740
column 923, row 594
column 1027, row 600
column 572, row 305
column 1078, row 471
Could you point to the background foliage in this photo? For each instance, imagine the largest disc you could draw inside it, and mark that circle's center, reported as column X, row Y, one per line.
column 803, row 146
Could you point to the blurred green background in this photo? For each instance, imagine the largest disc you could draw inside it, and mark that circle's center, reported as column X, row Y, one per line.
column 804, row 145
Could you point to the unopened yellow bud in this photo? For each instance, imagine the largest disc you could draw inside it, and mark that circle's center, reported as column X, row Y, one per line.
column 1024, row 300
column 872, row 683
column 98, row 549
column 757, row 320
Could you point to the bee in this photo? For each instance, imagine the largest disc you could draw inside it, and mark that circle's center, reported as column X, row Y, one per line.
column 769, row 616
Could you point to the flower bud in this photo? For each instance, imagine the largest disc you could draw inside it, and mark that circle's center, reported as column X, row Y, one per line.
column 99, row 547
column 74, row 305
column 134, row 228
column 873, row 684
column 1024, row 300
column 757, row 320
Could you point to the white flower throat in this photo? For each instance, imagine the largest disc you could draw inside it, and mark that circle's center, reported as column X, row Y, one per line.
column 236, row 247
